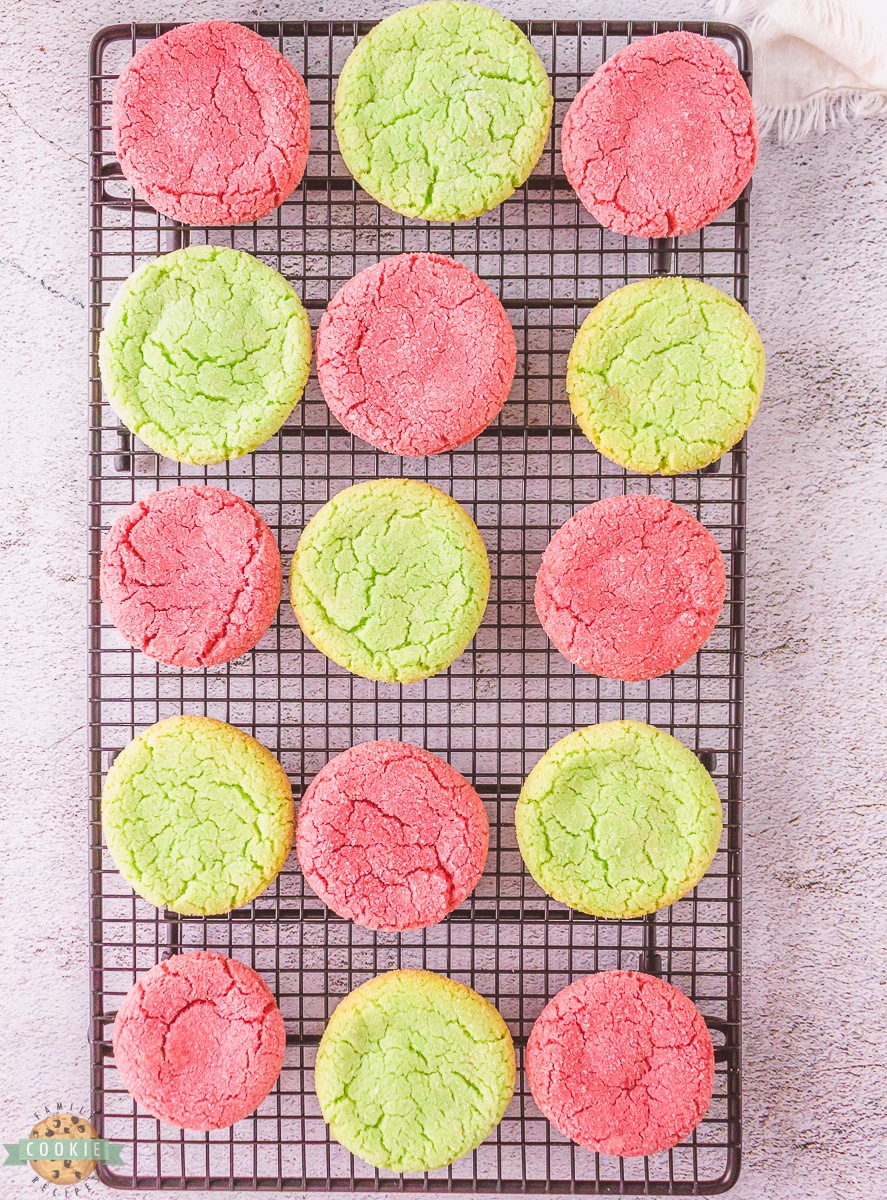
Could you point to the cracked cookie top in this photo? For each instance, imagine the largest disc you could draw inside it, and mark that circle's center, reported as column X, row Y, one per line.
column 665, row 375
column 390, row 580
column 663, row 138
column 415, row 354
column 211, row 124
column 197, row 815
column 191, row 576
column 414, row 1070
column 442, row 110
column 199, row 1041
column 618, row 820
column 205, row 353
column 621, row 1063
column 630, row 587
column 390, row 836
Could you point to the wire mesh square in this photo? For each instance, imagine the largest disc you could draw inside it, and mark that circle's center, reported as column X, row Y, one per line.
column 492, row 714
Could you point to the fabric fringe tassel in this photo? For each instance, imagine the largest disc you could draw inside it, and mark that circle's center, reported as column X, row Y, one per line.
column 823, row 109
column 817, row 113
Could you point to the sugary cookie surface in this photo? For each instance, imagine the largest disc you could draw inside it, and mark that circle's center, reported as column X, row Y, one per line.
column 630, row 587
column 662, row 138
column 191, row 576
column 205, row 353
column 618, row 820
column 665, row 375
column 414, row 1070
column 390, row 580
column 621, row 1063
column 197, row 815
column 391, row 836
column 211, row 124
column 442, row 110
column 199, row 1041
column 415, row 354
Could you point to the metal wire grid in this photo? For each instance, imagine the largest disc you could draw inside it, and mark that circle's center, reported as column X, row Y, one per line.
column 492, row 715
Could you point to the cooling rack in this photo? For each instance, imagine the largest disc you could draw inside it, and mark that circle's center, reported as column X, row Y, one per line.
column 492, row 715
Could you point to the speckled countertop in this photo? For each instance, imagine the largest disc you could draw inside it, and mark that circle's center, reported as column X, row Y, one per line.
column 815, row 883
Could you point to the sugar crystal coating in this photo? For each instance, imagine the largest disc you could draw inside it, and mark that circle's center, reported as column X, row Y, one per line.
column 442, row 110
column 666, row 375
column 191, row 576
column 630, row 587
column 211, row 124
column 205, row 353
column 663, row 138
column 622, row 1063
column 197, row 815
column 199, row 1041
column 415, row 354
column 414, row 1070
column 391, row 836
column 390, row 579
column 618, row 820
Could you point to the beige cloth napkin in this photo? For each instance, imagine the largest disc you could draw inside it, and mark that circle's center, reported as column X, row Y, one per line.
column 816, row 61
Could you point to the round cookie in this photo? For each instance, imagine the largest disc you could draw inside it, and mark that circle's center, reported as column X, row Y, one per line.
column 197, row 815
column 622, row 1063
column 630, row 587
column 191, row 576
column 211, row 124
column 390, row 580
column 63, row 1172
column 415, row 355
column 391, row 837
column 205, row 353
column 663, row 138
column 413, row 1071
column 442, row 110
column 665, row 375
column 199, row 1041
column 618, row 820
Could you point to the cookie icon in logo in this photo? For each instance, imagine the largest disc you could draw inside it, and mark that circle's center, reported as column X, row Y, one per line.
column 63, row 1171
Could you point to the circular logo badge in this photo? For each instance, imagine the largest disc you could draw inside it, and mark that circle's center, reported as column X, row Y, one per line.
column 62, row 1171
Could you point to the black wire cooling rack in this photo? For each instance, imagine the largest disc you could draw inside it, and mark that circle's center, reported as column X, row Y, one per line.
column 508, row 698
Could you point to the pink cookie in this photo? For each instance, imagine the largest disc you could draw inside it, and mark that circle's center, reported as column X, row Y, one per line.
column 621, row 1063
column 211, row 124
column 415, row 355
column 391, row 836
column 630, row 587
column 199, row 1041
column 191, row 576
column 662, row 138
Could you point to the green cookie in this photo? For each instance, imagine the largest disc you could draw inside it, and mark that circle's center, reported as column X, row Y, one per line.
column 390, row 580
column 205, row 353
column 666, row 375
column 442, row 110
column 414, row 1070
column 197, row 815
column 618, row 820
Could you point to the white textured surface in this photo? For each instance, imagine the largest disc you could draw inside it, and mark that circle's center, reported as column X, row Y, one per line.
column 816, row 734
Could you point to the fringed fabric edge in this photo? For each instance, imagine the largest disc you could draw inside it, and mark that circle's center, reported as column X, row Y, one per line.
column 817, row 113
